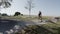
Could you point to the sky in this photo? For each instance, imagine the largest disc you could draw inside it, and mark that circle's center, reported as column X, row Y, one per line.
column 47, row 7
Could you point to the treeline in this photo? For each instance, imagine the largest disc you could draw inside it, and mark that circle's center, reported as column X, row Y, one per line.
column 4, row 14
column 16, row 14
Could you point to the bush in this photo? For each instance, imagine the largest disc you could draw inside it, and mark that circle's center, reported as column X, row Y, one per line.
column 4, row 14
column 17, row 13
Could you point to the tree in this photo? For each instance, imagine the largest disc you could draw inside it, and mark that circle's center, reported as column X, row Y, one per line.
column 5, row 3
column 17, row 13
column 0, row 13
column 4, row 14
column 29, row 6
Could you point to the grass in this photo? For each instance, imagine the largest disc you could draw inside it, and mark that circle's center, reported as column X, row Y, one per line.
column 49, row 28
column 24, row 17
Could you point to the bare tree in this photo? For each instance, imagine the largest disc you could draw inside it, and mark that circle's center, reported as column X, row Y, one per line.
column 29, row 6
column 5, row 3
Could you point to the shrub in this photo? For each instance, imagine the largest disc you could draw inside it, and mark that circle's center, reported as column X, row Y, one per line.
column 17, row 13
column 4, row 14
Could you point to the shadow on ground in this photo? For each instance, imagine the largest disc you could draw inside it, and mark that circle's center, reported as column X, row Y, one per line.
column 6, row 24
column 39, row 30
column 56, row 30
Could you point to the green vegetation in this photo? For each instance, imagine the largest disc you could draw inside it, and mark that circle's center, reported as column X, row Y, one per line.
column 49, row 28
column 17, row 13
column 4, row 14
column 24, row 17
